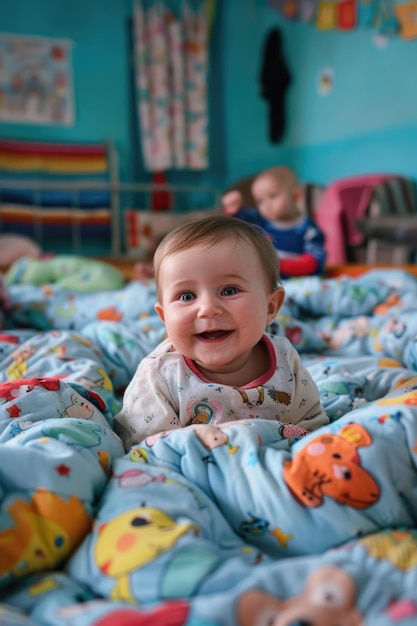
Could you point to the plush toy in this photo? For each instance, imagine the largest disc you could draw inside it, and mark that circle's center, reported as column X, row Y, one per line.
column 14, row 247
column 80, row 274
column 329, row 598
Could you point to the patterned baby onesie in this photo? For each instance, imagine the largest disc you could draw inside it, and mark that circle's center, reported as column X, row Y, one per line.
column 167, row 391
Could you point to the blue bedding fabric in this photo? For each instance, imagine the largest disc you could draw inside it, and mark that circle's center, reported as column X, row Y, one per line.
column 239, row 524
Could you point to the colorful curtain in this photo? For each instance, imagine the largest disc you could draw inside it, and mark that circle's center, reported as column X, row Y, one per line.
column 171, row 63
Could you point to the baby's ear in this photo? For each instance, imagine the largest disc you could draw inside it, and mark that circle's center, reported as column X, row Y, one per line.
column 160, row 311
column 297, row 194
column 276, row 300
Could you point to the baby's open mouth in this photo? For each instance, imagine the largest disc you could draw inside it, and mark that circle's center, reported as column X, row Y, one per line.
column 214, row 334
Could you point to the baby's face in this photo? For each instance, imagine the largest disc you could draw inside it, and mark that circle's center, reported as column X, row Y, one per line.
column 215, row 303
column 276, row 200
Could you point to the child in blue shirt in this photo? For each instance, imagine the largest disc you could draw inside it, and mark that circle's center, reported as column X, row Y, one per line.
column 297, row 239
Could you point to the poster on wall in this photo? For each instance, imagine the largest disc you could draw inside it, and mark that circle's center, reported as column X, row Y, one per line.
column 35, row 80
column 325, row 81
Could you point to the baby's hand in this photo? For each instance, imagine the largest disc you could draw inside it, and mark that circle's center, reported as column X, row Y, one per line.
column 232, row 202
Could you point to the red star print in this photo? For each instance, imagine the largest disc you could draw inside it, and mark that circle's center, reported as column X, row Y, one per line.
column 63, row 470
column 14, row 411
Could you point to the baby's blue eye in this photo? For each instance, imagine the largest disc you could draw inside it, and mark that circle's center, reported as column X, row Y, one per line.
column 229, row 291
column 186, row 297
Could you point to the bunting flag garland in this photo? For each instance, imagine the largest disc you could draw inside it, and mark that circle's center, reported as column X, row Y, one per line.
column 388, row 17
column 386, row 21
column 346, row 14
column 307, row 10
column 407, row 18
column 290, row 9
column 367, row 10
column 326, row 15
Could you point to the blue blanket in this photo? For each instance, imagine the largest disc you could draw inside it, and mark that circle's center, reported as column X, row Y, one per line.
column 241, row 523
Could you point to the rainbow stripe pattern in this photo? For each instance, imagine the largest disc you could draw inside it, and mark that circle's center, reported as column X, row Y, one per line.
column 54, row 193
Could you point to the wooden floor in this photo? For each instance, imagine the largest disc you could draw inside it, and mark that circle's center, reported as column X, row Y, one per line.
column 356, row 269
column 126, row 266
column 350, row 269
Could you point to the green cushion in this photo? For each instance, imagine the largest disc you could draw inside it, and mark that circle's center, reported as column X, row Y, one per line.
column 77, row 273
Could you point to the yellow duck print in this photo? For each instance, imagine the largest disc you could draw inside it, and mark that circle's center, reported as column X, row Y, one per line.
column 396, row 546
column 133, row 539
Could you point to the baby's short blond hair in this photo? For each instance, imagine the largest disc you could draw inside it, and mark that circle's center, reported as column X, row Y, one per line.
column 213, row 229
column 284, row 175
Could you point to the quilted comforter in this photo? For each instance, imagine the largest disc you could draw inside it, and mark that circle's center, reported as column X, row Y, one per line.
column 237, row 524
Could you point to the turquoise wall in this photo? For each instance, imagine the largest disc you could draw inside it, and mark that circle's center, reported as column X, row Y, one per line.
column 368, row 123
column 99, row 32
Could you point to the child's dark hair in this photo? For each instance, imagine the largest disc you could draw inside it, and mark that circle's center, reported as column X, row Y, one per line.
column 211, row 230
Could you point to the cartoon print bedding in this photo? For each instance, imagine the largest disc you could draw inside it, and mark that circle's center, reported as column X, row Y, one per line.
column 242, row 524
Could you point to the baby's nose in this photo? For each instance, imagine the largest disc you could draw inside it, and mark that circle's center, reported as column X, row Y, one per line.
column 209, row 306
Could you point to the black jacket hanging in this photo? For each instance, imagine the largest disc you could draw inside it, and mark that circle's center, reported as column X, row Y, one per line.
column 275, row 79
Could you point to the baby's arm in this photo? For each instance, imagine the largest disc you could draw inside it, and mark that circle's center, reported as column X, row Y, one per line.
column 232, row 202
column 147, row 407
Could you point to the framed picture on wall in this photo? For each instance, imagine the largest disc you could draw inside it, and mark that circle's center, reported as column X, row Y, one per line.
column 36, row 80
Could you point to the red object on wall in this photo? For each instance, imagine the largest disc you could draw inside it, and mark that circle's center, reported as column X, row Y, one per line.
column 161, row 199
